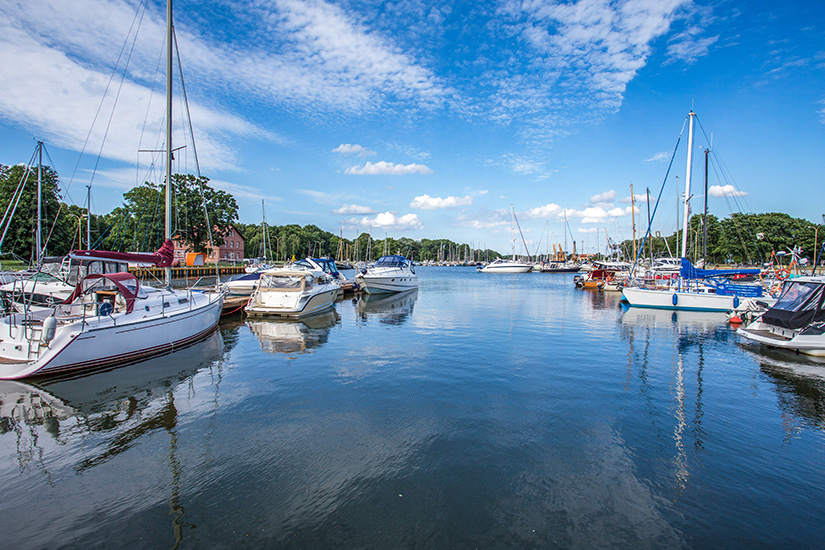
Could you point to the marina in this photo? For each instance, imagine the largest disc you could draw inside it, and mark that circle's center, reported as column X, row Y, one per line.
column 480, row 410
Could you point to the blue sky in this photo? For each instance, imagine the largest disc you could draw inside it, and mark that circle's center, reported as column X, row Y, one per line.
column 429, row 119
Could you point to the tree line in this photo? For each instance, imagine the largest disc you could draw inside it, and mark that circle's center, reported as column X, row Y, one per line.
column 137, row 225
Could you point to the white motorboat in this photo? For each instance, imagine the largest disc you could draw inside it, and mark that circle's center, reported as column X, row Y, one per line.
column 796, row 321
column 292, row 293
column 388, row 274
column 506, row 266
column 110, row 319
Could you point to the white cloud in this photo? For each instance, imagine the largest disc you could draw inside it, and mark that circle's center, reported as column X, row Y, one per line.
column 639, row 198
column 353, row 209
column 387, row 168
column 607, row 196
column 588, row 230
column 659, row 157
column 541, row 212
column 389, row 222
column 597, row 214
column 725, row 191
column 353, row 149
column 426, row 202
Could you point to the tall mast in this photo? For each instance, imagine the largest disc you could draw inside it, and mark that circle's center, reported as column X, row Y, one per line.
column 705, row 215
column 513, row 231
column 167, row 229
column 687, row 186
column 38, row 237
column 633, row 217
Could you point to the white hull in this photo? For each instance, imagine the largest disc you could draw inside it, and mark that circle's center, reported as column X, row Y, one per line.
column 287, row 304
column 383, row 284
column 380, row 279
column 102, row 341
column 507, row 268
column 687, row 301
column 782, row 338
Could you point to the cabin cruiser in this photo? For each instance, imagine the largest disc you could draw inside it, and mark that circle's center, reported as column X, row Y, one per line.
column 604, row 276
column 292, row 293
column 388, row 274
column 796, row 321
column 245, row 283
column 506, row 266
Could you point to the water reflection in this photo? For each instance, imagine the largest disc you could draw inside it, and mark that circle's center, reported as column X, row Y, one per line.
column 294, row 336
column 97, row 417
column 690, row 331
column 799, row 382
column 390, row 309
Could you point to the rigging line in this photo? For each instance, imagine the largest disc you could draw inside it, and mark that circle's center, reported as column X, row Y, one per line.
column 114, row 105
column 659, row 198
column 108, row 84
column 195, row 152
column 18, row 193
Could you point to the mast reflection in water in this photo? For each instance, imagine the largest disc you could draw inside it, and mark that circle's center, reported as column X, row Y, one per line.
column 478, row 411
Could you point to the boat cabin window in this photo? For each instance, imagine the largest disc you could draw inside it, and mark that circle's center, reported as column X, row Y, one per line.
column 800, row 296
column 391, row 261
column 284, row 282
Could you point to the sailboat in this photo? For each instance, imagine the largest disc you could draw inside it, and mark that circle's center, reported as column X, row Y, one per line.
column 110, row 318
column 508, row 266
column 694, row 289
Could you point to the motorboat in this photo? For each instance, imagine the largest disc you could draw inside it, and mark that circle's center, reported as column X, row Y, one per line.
column 388, row 274
column 796, row 321
column 506, row 266
column 604, row 276
column 292, row 293
column 560, row 267
column 110, row 319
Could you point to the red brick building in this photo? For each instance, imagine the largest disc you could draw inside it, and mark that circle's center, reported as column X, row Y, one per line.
column 230, row 251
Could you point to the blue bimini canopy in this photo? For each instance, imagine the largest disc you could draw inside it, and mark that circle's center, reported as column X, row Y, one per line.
column 689, row 271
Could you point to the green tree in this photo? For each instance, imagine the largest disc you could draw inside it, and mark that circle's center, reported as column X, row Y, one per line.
column 55, row 226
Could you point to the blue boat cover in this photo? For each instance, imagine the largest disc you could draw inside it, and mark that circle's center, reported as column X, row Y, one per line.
column 689, row 271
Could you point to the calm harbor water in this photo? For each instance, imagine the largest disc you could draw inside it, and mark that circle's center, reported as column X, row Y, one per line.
column 481, row 411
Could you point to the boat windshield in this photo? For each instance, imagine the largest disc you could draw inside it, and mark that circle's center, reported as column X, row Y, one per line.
column 797, row 296
column 391, row 261
column 283, row 282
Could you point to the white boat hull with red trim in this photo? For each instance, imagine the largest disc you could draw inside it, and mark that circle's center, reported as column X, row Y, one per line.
column 101, row 329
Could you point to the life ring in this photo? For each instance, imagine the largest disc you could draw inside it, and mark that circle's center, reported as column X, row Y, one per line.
column 782, row 273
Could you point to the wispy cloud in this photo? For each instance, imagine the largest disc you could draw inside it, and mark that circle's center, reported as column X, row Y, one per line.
column 606, row 196
column 387, row 168
column 542, row 212
column 353, row 149
column 725, row 191
column 426, row 202
column 663, row 156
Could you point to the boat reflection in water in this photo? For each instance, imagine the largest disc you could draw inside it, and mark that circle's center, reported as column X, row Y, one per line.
column 692, row 332
column 294, row 336
column 390, row 309
column 799, row 382
column 107, row 414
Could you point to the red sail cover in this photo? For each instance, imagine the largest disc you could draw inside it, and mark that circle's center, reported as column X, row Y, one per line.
column 162, row 258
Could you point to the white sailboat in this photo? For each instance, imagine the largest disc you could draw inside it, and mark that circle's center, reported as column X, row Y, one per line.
column 508, row 266
column 110, row 319
column 694, row 289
